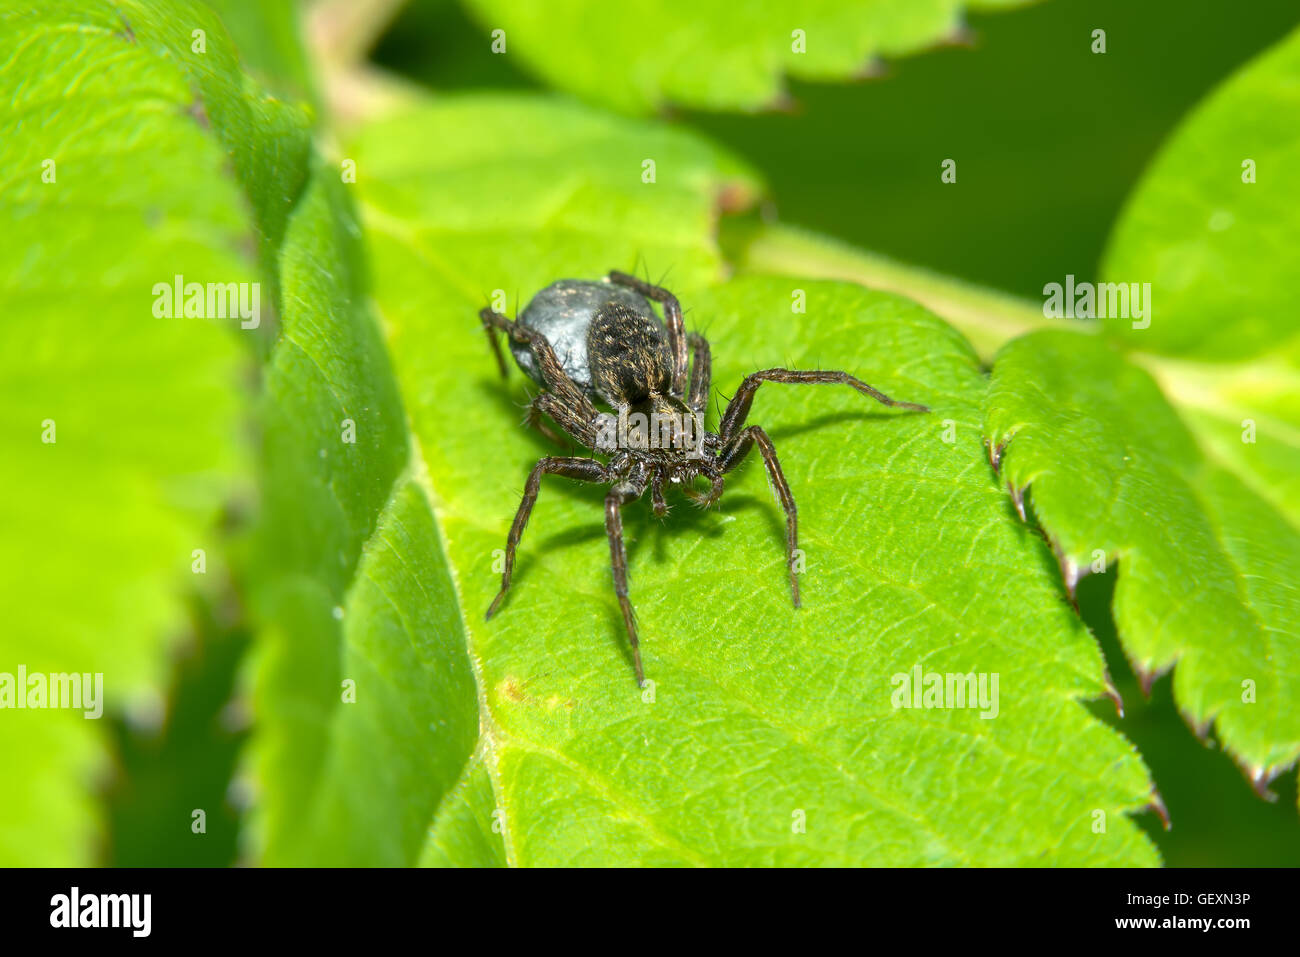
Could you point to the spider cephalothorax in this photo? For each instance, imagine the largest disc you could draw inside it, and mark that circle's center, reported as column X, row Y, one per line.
column 589, row 342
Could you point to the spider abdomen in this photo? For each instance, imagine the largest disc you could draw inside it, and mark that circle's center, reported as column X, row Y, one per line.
column 563, row 312
column 628, row 354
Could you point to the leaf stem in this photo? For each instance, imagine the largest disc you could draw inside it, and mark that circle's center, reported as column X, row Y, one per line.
column 986, row 317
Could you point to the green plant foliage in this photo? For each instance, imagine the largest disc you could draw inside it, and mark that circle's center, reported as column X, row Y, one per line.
column 99, row 526
column 1216, row 249
column 265, row 33
column 1204, row 523
column 365, row 707
column 713, row 54
column 1248, row 417
column 392, row 724
column 1211, row 243
column 762, row 716
column 1206, row 568
column 468, row 827
column 1221, row 345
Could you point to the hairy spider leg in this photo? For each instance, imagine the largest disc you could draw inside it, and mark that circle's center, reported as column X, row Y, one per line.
column 701, row 375
column 534, row 420
column 577, row 422
column 697, row 400
column 738, row 408
column 658, row 504
column 556, row 379
column 734, row 454
column 673, row 317
column 584, row 470
column 737, row 441
column 709, row 498
column 583, row 431
column 488, row 316
column 625, row 491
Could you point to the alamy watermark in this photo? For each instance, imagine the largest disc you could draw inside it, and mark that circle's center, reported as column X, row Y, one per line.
column 935, row 689
column 75, row 690
column 658, row 430
column 130, row 911
column 213, row 300
column 1104, row 300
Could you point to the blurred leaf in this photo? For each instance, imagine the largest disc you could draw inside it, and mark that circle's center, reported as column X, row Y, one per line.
column 988, row 318
column 97, row 528
column 1210, row 244
column 715, row 54
column 1245, row 415
column 1215, row 250
column 266, row 36
column 1207, row 569
column 466, row 832
column 761, row 713
column 350, row 582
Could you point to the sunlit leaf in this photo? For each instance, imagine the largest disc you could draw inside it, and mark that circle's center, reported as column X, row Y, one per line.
column 771, row 736
column 1207, row 580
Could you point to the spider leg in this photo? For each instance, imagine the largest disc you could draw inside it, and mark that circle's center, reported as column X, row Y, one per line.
column 580, row 429
column 734, row 454
column 738, row 408
column 657, row 502
column 585, row 470
column 701, row 375
column 706, row 499
column 535, row 420
column 489, row 327
column 673, row 316
column 709, row 498
column 553, row 374
column 619, row 496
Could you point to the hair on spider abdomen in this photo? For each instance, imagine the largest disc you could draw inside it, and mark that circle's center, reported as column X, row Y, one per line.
column 629, row 356
column 588, row 341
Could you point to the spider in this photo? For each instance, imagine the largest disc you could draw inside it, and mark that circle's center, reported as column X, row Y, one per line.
column 585, row 342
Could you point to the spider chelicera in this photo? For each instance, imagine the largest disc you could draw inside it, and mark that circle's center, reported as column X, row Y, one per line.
column 585, row 342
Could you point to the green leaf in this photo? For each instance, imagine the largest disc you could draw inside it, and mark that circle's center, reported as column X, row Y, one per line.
column 1212, row 583
column 1206, row 568
column 98, row 527
column 266, row 36
column 466, row 831
column 762, row 716
column 350, row 575
column 1209, row 243
column 714, row 54
column 363, row 695
column 153, row 139
column 1214, row 249
column 1222, row 349
column 1246, row 416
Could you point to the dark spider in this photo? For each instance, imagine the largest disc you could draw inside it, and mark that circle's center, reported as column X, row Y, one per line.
column 586, row 341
